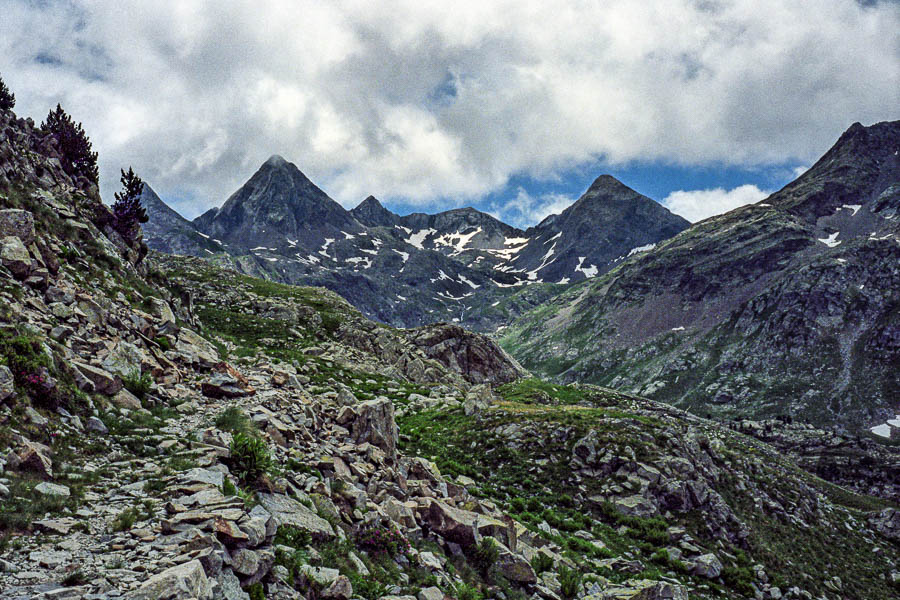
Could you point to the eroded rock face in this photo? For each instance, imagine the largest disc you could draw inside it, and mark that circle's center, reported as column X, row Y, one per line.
column 477, row 358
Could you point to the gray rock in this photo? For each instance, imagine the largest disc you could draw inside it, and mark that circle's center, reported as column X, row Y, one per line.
column 124, row 360
column 180, row 582
column 707, row 565
column 431, row 593
column 7, row 383
column 340, row 589
column 46, row 488
column 287, row 511
column 104, row 382
column 17, row 223
column 14, row 256
column 95, row 425
column 375, row 424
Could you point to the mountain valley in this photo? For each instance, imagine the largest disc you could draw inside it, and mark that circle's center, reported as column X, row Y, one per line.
column 683, row 418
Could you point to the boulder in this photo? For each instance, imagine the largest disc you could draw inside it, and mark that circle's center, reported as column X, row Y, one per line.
column 375, row 424
column 474, row 356
column 124, row 360
column 479, row 398
column 636, row 506
column 46, row 488
column 180, row 582
column 14, row 256
column 35, row 457
column 7, row 383
column 340, row 589
column 125, row 399
column 161, row 310
column 17, row 223
column 707, row 565
column 460, row 526
column 514, row 566
column 287, row 511
column 227, row 382
column 887, row 523
column 104, row 382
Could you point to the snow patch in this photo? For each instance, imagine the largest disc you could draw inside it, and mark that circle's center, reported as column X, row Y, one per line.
column 418, row 237
column 678, row 329
column 831, row 241
column 589, row 271
column 646, row 248
column 203, row 235
column 404, row 255
column 324, row 250
column 854, row 207
column 469, row 283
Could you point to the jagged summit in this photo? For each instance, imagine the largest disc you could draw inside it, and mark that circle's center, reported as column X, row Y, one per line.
column 608, row 184
column 372, row 213
column 279, row 203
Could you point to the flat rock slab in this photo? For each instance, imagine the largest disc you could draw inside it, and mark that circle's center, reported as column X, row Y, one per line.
column 287, row 511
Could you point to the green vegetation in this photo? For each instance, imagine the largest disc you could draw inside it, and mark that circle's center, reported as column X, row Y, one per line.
column 234, row 421
column 138, row 384
column 7, row 98
column 570, row 582
column 77, row 157
column 128, row 214
column 250, row 458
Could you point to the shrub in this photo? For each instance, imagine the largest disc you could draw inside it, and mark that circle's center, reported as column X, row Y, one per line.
column 250, row 458
column 75, row 578
column 486, row 554
column 138, row 384
column 256, row 591
column 376, row 539
column 569, row 581
column 368, row 588
column 7, row 98
column 125, row 519
column 76, row 156
column 541, row 563
column 234, row 421
column 464, row 591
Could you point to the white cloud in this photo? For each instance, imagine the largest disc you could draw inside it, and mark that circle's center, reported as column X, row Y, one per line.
column 415, row 102
column 525, row 210
column 696, row 205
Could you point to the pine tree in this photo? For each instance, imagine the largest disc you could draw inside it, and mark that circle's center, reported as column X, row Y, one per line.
column 127, row 210
column 7, row 98
column 75, row 148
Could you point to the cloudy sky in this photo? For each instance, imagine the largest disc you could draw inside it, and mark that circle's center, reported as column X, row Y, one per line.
column 512, row 107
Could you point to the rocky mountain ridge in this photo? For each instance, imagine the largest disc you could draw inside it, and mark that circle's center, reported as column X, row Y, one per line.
column 785, row 307
column 413, row 269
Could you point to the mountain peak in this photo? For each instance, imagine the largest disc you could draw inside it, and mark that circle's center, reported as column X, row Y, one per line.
column 276, row 160
column 608, row 183
column 371, row 201
column 372, row 213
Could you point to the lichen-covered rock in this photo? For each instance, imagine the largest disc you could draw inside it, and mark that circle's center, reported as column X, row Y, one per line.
column 14, row 256
column 17, row 223
column 181, row 582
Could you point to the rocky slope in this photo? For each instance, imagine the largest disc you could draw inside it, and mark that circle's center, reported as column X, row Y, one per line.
column 175, row 430
column 415, row 269
column 785, row 307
